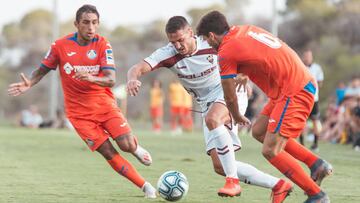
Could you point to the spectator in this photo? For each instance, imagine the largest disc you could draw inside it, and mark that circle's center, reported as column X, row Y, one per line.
column 318, row 74
column 120, row 94
column 355, row 127
column 30, row 118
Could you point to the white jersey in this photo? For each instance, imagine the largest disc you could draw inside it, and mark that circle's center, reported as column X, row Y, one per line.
column 198, row 73
column 317, row 72
column 200, row 76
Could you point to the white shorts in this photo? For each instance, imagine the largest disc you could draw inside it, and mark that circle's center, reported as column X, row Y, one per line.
column 232, row 128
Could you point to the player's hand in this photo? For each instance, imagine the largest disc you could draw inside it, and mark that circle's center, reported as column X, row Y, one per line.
column 84, row 76
column 241, row 81
column 16, row 89
column 242, row 120
column 133, row 87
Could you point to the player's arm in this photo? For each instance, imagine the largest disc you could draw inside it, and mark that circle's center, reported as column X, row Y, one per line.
column 16, row 89
column 133, row 75
column 229, row 88
column 107, row 80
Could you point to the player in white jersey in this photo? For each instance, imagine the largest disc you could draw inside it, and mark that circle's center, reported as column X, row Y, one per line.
column 195, row 64
column 317, row 72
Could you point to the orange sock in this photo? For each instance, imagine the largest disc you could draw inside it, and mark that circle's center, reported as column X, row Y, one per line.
column 287, row 165
column 300, row 152
column 124, row 168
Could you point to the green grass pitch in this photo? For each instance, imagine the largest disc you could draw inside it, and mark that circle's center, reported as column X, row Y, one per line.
column 38, row 166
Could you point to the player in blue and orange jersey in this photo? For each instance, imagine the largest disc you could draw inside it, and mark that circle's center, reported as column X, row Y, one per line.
column 277, row 70
column 87, row 71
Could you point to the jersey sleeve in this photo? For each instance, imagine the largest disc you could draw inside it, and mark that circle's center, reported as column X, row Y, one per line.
column 228, row 67
column 162, row 57
column 107, row 61
column 51, row 59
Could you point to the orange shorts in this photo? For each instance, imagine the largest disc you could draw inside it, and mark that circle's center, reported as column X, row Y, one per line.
column 156, row 112
column 288, row 116
column 95, row 131
column 176, row 110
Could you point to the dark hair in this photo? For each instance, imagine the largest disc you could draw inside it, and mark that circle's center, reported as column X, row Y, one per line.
column 87, row 8
column 214, row 22
column 176, row 23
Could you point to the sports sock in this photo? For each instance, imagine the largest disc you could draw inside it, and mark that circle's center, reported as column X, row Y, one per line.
column 124, row 168
column 225, row 150
column 287, row 165
column 253, row 176
column 301, row 139
column 300, row 152
column 316, row 137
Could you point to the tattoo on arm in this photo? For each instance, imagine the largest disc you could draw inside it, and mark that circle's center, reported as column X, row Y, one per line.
column 37, row 75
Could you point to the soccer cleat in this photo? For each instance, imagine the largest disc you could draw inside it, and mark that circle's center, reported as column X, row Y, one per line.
column 320, row 170
column 281, row 190
column 143, row 156
column 321, row 197
column 231, row 188
column 315, row 148
column 149, row 190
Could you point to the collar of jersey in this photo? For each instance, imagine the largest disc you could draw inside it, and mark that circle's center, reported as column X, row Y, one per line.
column 197, row 47
column 74, row 38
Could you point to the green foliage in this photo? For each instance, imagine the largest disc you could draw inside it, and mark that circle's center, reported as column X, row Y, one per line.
column 196, row 13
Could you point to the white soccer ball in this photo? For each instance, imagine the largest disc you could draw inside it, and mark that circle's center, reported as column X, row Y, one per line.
column 172, row 185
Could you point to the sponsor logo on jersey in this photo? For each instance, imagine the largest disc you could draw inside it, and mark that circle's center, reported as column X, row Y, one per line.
column 181, row 67
column 123, row 124
column 93, row 70
column 71, row 53
column 210, row 58
column 91, row 54
column 109, row 57
column 271, row 120
column 198, row 75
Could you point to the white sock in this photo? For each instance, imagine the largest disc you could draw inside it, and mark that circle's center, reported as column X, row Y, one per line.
column 225, row 150
column 253, row 176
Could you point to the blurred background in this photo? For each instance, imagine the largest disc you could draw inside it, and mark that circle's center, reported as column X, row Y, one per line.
column 330, row 28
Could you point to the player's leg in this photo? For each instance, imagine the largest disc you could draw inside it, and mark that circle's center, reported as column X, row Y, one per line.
column 124, row 168
column 316, row 130
column 95, row 137
column 120, row 131
column 290, row 115
column 216, row 133
column 319, row 168
column 315, row 119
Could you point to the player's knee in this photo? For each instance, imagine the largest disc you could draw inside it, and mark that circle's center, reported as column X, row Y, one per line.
column 107, row 152
column 212, row 122
column 128, row 147
column 268, row 152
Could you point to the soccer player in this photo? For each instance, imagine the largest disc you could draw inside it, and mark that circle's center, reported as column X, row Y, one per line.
column 156, row 105
column 187, row 117
column 87, row 70
column 176, row 101
column 277, row 70
column 195, row 64
column 317, row 72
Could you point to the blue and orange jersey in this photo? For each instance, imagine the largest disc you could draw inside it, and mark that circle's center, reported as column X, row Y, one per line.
column 82, row 99
column 273, row 66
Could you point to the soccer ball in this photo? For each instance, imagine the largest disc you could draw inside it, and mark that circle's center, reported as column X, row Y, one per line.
column 172, row 185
